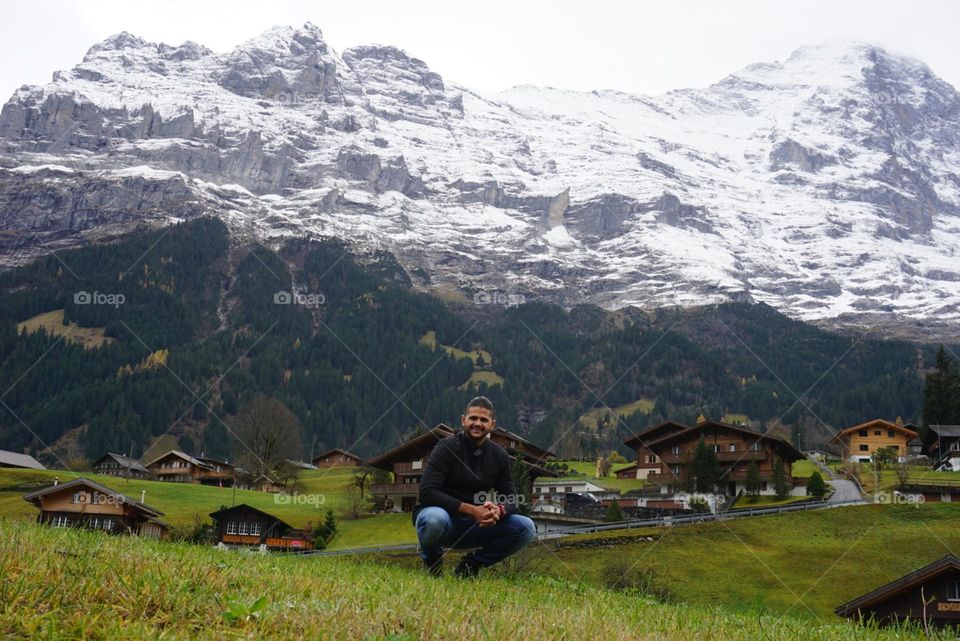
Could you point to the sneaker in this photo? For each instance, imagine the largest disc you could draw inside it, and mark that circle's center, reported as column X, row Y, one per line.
column 467, row 568
column 434, row 565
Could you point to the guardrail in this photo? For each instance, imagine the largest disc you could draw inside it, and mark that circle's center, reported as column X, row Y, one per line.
column 664, row 521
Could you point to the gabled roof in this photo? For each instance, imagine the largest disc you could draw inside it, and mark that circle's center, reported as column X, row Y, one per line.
column 124, row 462
column 184, row 456
column 226, row 511
column 337, row 450
column 875, row 423
column 884, row 592
column 787, row 451
column 944, row 431
column 653, row 433
column 412, row 449
column 214, row 461
column 538, row 453
column 33, row 497
column 15, row 459
column 302, row 464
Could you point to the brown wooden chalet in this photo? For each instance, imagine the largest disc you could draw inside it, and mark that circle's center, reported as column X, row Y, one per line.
column 931, row 593
column 735, row 448
column 647, row 461
column 87, row 504
column 178, row 467
column 337, row 458
column 119, row 465
column 243, row 525
column 407, row 460
column 221, row 473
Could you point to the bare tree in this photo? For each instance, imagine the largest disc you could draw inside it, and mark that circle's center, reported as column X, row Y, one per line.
column 268, row 434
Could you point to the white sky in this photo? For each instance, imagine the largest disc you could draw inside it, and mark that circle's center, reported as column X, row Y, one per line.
column 640, row 47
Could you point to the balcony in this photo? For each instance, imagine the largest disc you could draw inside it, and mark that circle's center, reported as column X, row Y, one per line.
column 168, row 469
column 394, row 489
column 743, row 455
column 414, row 467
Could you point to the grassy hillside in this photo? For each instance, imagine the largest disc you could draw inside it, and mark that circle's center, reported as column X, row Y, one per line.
column 802, row 564
column 64, row 584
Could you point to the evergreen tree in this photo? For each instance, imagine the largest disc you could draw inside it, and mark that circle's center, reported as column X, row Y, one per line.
column 816, row 487
column 706, row 468
column 941, row 393
column 614, row 513
column 780, row 483
column 753, row 481
column 524, row 485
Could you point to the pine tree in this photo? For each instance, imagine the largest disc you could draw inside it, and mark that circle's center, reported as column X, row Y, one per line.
column 614, row 513
column 753, row 481
column 706, row 468
column 780, row 483
column 941, row 393
column 816, row 486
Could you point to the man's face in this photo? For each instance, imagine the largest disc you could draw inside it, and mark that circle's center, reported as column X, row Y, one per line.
column 477, row 423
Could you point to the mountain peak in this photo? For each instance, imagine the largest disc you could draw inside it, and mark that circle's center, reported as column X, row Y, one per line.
column 118, row 41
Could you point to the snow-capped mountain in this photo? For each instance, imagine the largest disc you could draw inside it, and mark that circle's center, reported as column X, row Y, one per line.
column 827, row 185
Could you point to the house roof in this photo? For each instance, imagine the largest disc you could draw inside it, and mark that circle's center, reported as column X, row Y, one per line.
column 214, row 461
column 226, row 511
column 947, row 431
column 302, row 464
column 539, row 454
column 15, row 459
column 123, row 461
column 884, row 592
column 416, row 447
column 877, row 422
column 265, row 477
column 792, row 453
column 337, row 450
column 33, row 497
column 184, row 456
column 653, row 433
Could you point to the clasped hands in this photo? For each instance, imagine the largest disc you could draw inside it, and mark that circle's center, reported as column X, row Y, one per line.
column 486, row 515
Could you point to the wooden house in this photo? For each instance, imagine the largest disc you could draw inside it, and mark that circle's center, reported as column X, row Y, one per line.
column 647, row 461
column 942, row 444
column 734, row 446
column 930, row 594
column 88, row 504
column 15, row 459
column 243, row 525
column 264, row 483
column 337, row 458
column 858, row 443
column 119, row 465
column 177, row 467
column 407, row 460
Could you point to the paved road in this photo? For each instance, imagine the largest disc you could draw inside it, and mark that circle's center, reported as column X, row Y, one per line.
column 844, row 491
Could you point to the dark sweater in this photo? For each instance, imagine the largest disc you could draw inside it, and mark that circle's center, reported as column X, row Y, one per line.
column 458, row 471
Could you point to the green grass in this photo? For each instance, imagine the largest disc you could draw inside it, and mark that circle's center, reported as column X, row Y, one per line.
column 483, row 376
column 735, row 419
column 888, row 480
column 592, row 418
column 430, row 340
column 68, row 584
column 767, row 501
column 52, row 322
column 801, row 564
column 804, row 469
column 587, row 469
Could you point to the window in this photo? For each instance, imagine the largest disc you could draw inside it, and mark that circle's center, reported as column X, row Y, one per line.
column 733, row 447
column 716, row 448
column 891, row 434
column 675, row 449
column 652, row 458
column 675, row 469
column 108, row 525
column 862, row 432
column 417, row 465
column 953, row 590
column 876, row 432
column 61, row 521
column 864, row 447
column 755, row 446
column 255, row 529
column 569, row 488
column 231, row 527
column 94, row 523
column 763, row 486
column 955, row 446
column 244, row 528
column 553, row 489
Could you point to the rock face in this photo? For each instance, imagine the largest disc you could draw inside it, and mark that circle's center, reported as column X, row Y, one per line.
column 826, row 185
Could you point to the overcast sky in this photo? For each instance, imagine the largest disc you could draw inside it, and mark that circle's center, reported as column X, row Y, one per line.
column 640, row 47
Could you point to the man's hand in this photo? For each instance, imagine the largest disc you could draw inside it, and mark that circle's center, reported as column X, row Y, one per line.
column 492, row 514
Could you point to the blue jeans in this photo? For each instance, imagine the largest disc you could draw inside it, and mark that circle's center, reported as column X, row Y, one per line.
column 436, row 529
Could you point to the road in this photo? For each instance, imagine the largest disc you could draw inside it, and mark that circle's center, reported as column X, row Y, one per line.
column 844, row 491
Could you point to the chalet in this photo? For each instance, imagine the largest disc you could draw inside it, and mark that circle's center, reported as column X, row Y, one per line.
column 85, row 503
column 337, row 458
column 264, row 483
column 942, row 444
column 177, row 467
column 243, row 525
column 15, row 459
column 406, row 462
column 120, row 465
column 930, row 594
column 735, row 447
column 220, row 473
column 858, row 443
column 647, row 461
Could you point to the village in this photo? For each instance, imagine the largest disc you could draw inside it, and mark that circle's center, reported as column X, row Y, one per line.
column 679, row 474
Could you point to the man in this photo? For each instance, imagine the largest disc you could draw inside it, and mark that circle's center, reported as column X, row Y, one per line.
column 456, row 507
